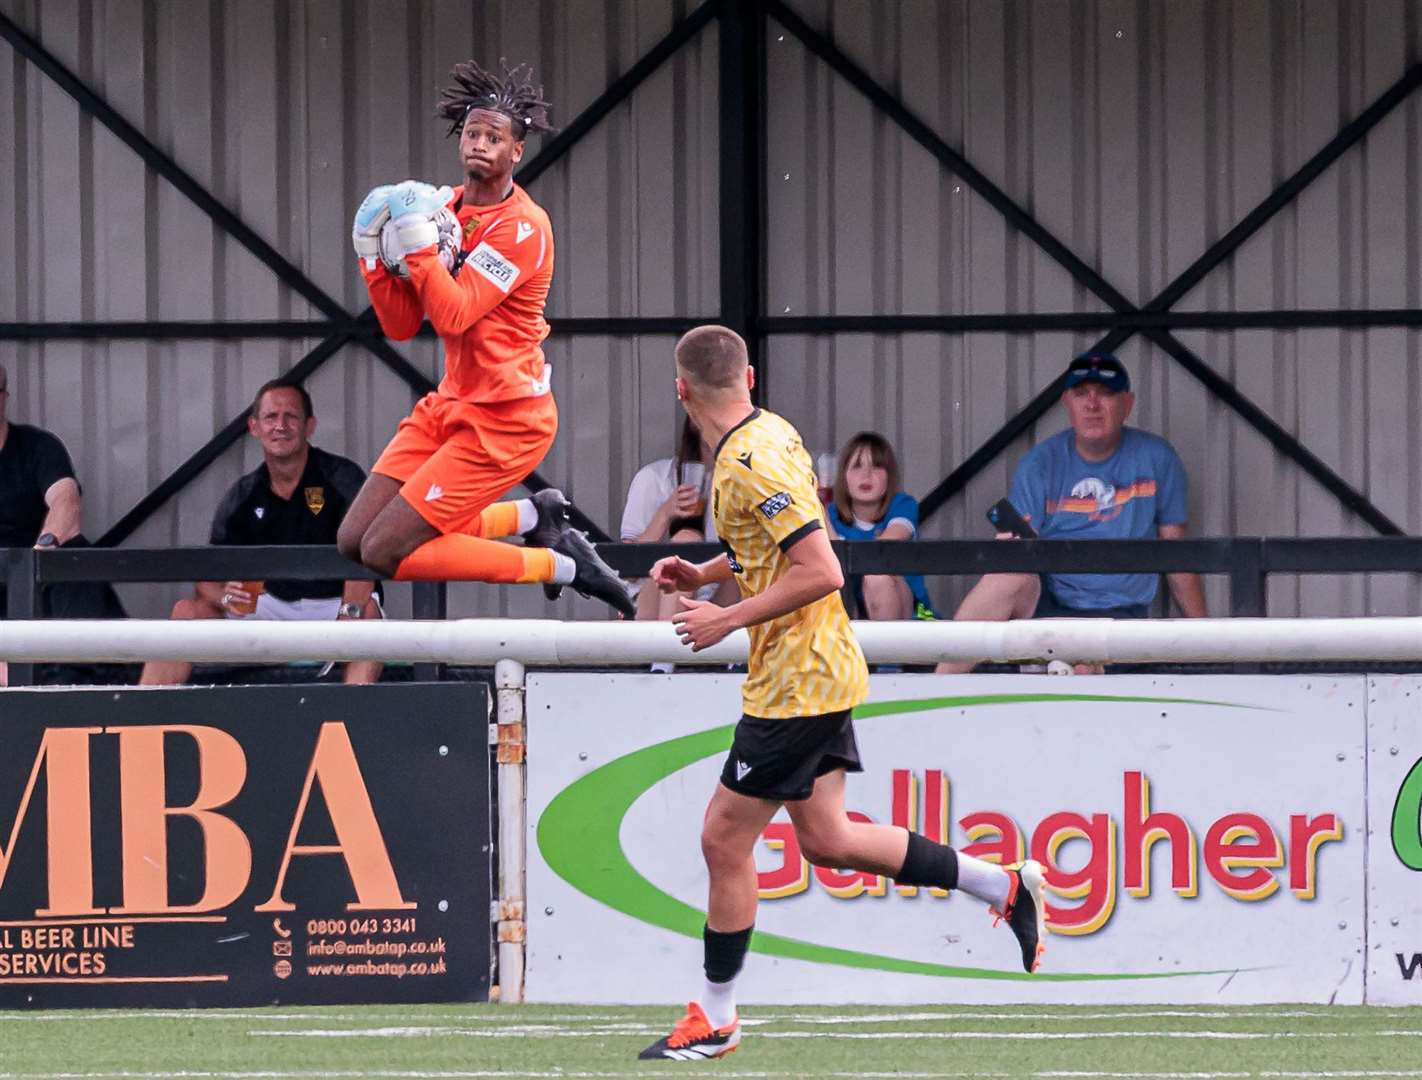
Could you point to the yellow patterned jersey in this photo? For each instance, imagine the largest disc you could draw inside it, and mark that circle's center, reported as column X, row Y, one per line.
column 806, row 662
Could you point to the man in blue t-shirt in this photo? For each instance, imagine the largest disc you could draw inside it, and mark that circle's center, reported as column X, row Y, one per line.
column 1098, row 480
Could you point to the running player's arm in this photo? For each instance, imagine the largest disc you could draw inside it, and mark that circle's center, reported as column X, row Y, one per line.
column 785, row 504
column 814, row 572
column 396, row 304
column 512, row 252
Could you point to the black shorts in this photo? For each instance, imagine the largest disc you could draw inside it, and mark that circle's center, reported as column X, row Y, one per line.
column 780, row 760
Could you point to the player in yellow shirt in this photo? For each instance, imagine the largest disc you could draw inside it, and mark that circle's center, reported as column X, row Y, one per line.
column 796, row 741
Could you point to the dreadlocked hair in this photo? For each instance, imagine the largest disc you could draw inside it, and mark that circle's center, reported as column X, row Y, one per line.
column 514, row 95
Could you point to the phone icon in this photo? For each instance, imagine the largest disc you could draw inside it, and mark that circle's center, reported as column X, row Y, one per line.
column 281, row 931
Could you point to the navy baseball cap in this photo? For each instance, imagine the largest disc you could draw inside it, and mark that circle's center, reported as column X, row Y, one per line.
column 1098, row 367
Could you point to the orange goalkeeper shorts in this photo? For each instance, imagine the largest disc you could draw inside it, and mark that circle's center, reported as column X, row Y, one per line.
column 455, row 457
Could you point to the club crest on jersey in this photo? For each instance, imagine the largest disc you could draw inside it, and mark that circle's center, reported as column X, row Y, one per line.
column 470, row 226
column 776, row 503
column 489, row 264
column 315, row 499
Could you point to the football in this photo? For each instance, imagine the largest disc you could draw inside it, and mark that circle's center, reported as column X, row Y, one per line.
column 449, row 241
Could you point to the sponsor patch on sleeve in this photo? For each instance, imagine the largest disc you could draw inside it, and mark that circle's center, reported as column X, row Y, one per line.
column 490, row 264
column 776, row 503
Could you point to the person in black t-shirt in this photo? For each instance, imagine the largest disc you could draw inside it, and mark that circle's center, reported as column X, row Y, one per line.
column 41, row 507
column 40, row 504
column 298, row 495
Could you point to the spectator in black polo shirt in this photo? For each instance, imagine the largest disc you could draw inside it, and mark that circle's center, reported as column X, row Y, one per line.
column 41, row 507
column 298, row 495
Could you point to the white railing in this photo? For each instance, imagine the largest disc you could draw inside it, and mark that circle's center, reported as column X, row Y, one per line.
column 553, row 643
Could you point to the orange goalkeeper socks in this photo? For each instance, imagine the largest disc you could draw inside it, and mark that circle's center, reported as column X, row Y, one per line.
column 457, row 557
column 498, row 519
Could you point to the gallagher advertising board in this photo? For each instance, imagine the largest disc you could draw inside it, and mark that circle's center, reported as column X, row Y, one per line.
column 244, row 845
column 1395, row 835
column 1204, row 836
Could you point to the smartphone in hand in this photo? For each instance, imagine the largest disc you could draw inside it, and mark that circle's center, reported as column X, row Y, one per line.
column 1006, row 519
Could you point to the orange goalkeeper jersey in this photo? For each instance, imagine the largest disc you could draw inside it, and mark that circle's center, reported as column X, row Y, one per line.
column 489, row 314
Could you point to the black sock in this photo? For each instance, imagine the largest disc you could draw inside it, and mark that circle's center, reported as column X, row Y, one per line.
column 927, row 863
column 725, row 953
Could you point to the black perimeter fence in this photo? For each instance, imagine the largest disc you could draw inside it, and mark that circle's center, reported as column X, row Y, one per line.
column 1246, row 561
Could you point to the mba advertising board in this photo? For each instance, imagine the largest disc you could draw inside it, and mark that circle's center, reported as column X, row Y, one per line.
column 245, row 845
column 1205, row 839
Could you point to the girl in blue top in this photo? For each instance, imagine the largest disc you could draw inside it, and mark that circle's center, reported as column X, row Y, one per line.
column 868, row 505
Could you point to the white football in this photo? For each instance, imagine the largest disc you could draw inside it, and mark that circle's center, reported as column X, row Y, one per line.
column 449, row 242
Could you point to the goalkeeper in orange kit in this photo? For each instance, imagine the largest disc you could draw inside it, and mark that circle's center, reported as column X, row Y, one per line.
column 429, row 509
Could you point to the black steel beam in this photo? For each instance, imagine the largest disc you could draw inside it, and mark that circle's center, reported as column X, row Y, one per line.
column 210, row 451
column 741, row 156
column 950, row 158
column 1000, row 440
column 1241, row 557
column 618, row 92
column 299, row 562
column 1248, row 591
column 1283, row 441
column 290, row 275
column 429, row 600
column 172, row 330
column 1042, row 322
column 1350, row 134
column 96, row 107
column 1328, row 555
column 1091, row 280
column 613, row 325
column 629, row 325
column 22, row 601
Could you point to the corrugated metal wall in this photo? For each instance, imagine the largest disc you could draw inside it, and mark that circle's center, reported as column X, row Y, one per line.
column 1137, row 132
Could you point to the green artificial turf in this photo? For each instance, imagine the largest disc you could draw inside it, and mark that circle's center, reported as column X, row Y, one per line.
column 1178, row 1043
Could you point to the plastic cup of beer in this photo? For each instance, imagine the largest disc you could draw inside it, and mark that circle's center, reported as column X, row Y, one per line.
column 256, row 588
column 694, row 473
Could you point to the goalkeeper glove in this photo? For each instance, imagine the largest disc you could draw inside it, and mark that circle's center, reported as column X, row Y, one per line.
column 370, row 218
column 417, row 197
column 413, row 206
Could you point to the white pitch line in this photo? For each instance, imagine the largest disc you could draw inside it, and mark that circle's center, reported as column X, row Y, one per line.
column 566, row 1075
column 554, row 1032
column 492, row 1074
column 1077, row 1035
column 1154, row 1014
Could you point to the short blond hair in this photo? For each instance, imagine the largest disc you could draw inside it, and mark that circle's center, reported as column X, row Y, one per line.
column 712, row 357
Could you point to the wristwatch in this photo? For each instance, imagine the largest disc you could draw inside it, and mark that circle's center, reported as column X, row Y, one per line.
column 350, row 611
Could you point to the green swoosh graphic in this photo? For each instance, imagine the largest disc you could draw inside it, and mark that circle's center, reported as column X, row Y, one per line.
column 578, row 836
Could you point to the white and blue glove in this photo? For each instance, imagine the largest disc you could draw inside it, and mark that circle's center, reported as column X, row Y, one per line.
column 412, row 207
column 417, row 197
column 370, row 218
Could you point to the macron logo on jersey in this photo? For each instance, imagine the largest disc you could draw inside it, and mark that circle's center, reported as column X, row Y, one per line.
column 434, row 493
column 741, row 769
column 489, row 264
column 523, row 232
column 260, row 511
